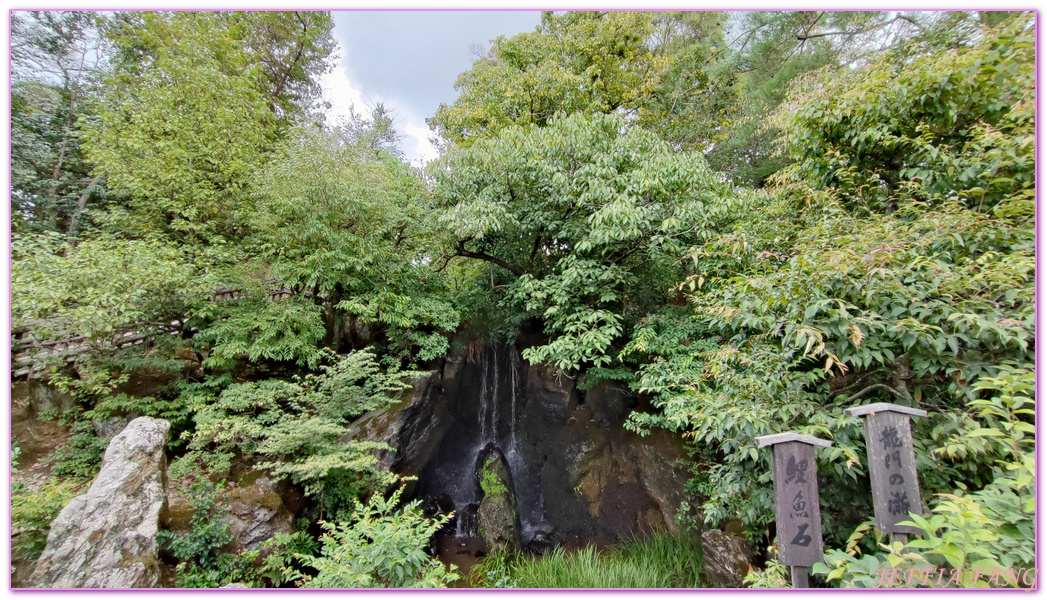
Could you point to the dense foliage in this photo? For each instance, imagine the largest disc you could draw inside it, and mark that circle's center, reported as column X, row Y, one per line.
column 297, row 427
column 203, row 564
column 907, row 294
column 585, row 221
column 987, row 529
column 384, row 546
column 754, row 220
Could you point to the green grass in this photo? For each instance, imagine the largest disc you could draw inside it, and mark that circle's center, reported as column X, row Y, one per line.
column 658, row 561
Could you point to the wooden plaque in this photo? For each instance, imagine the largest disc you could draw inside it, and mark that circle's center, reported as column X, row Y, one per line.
column 796, row 504
column 892, row 470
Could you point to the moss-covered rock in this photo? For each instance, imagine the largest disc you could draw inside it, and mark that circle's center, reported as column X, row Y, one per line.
column 498, row 517
column 256, row 513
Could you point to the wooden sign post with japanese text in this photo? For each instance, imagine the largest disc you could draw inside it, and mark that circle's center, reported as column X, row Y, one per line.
column 797, row 514
column 892, row 465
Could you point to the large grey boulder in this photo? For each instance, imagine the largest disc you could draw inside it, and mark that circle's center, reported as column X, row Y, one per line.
column 106, row 538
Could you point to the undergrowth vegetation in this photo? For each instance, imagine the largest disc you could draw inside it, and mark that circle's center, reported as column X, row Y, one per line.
column 751, row 221
column 661, row 560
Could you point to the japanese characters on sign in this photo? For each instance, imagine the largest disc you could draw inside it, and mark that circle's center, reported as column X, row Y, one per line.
column 797, row 514
column 892, row 465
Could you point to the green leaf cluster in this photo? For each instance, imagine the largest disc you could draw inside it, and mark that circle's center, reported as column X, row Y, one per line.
column 33, row 510
column 383, row 546
column 298, row 427
column 821, row 299
column 589, row 217
column 592, row 62
column 202, row 564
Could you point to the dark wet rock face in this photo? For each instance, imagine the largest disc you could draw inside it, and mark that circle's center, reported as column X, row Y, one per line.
column 106, row 538
column 575, row 473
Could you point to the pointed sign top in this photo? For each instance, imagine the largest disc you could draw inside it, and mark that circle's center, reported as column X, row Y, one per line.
column 778, row 438
column 858, row 411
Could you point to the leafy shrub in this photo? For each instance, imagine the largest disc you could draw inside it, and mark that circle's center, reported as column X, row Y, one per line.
column 33, row 511
column 384, row 546
column 298, row 426
column 282, row 563
column 81, row 457
column 172, row 409
column 203, row 565
column 774, row 575
column 990, row 529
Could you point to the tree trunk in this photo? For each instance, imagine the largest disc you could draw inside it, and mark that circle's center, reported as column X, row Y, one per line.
column 74, row 221
column 333, row 320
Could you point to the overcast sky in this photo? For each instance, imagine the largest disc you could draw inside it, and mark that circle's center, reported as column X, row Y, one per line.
column 409, row 61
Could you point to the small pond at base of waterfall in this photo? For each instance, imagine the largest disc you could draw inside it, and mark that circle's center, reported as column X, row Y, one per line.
column 462, row 552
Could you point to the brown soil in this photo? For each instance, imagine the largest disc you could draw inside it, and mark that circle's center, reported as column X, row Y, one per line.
column 37, row 440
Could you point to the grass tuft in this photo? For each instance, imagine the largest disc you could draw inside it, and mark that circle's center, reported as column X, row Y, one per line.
column 658, row 561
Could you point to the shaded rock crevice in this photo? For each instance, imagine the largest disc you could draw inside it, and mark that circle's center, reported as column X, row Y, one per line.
column 575, row 472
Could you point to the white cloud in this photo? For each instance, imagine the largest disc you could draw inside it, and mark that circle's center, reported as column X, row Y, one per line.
column 340, row 93
column 343, row 97
column 423, row 148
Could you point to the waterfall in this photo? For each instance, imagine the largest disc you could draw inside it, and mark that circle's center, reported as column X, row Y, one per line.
column 498, row 420
column 514, row 382
column 492, row 433
column 482, row 405
column 512, row 454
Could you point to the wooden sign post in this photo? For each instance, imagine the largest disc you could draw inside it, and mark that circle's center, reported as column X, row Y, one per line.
column 797, row 514
column 892, row 465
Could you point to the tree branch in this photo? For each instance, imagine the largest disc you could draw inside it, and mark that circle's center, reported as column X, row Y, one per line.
column 873, row 388
column 461, row 251
column 74, row 220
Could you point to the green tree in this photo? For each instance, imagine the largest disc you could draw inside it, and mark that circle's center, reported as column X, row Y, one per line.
column 840, row 290
column 343, row 221
column 585, row 221
column 180, row 133
column 752, row 71
column 293, row 49
column 588, row 62
column 959, row 127
column 55, row 63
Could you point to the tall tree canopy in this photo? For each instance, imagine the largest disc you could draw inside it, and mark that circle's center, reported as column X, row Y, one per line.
column 753, row 220
column 56, row 60
column 194, row 103
column 586, row 220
